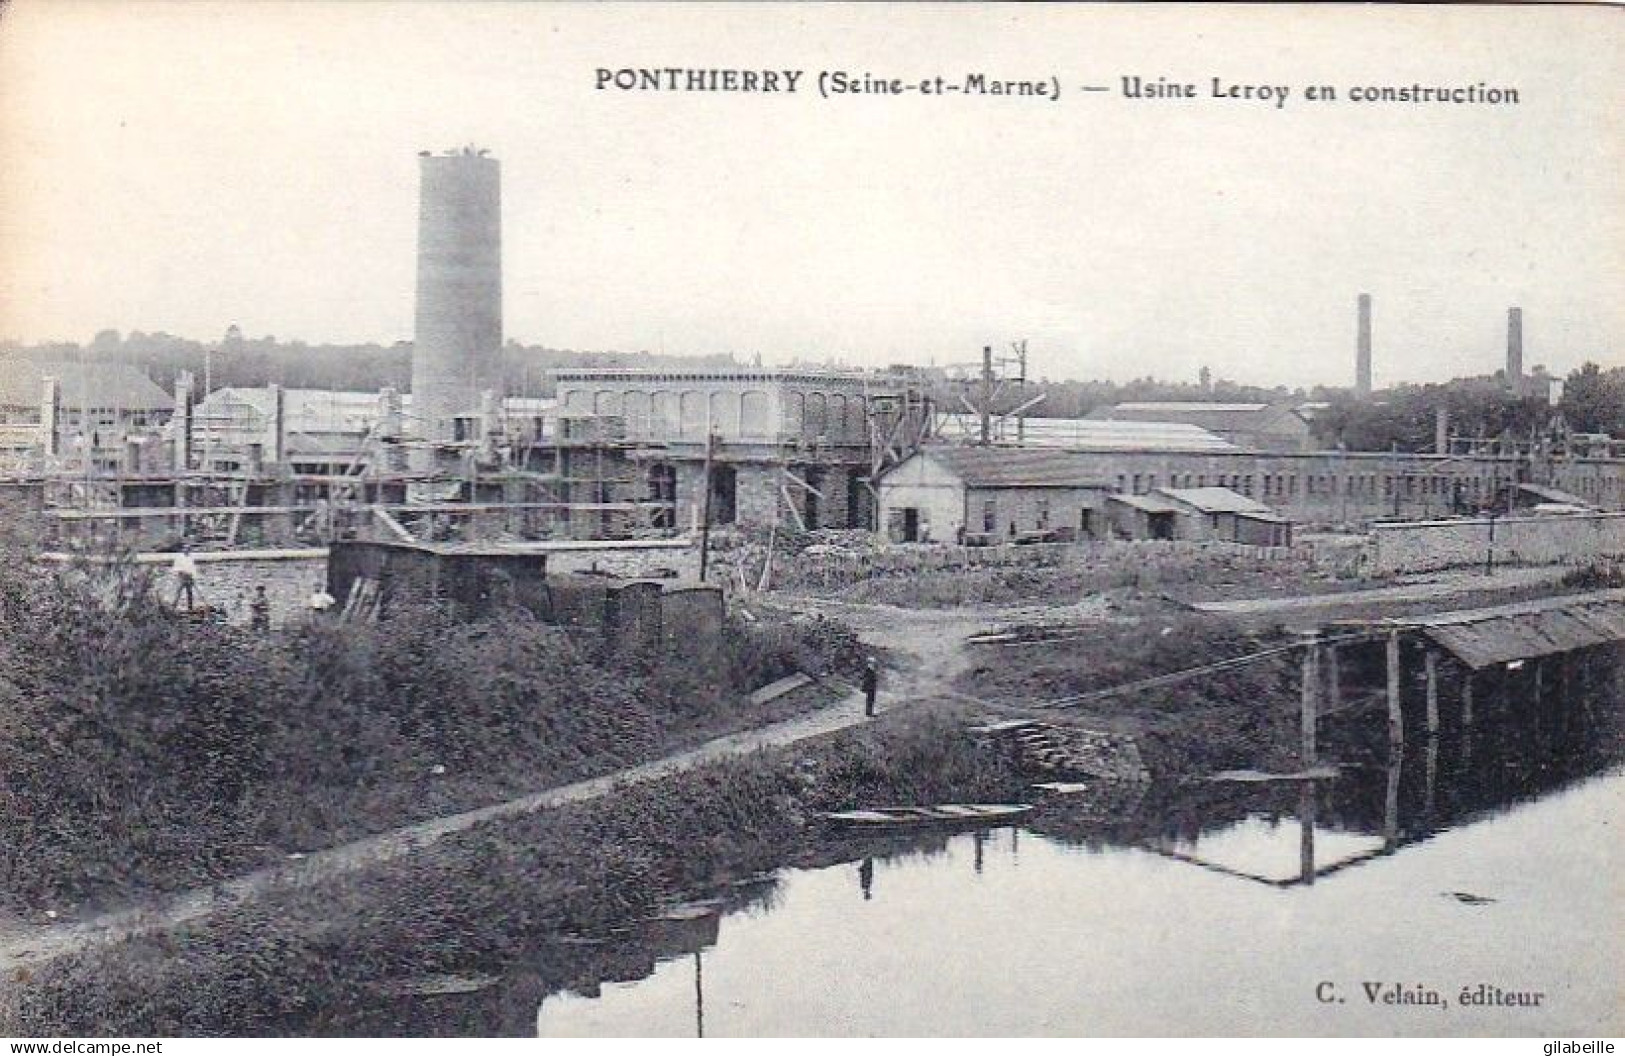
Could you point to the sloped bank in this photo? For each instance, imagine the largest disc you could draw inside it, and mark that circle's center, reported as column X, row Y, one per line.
column 537, row 890
column 1234, row 717
column 145, row 753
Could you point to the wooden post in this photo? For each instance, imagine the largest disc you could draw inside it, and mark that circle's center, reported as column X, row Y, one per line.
column 1432, row 777
column 1306, row 832
column 1430, row 664
column 1334, row 681
column 705, row 517
column 1390, row 806
column 1309, row 696
column 699, row 996
column 1466, row 717
column 1396, row 714
column 1537, row 720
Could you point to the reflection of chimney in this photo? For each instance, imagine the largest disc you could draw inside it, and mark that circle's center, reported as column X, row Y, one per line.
column 1362, row 354
column 1515, row 350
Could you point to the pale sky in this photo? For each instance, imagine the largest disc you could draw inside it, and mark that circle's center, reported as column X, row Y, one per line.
column 184, row 166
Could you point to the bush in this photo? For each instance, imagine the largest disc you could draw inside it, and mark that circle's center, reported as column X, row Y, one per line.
column 144, row 749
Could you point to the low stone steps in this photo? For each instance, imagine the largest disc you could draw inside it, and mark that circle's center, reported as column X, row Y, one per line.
column 1068, row 751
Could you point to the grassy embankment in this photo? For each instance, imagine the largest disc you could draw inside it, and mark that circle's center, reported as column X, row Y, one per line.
column 144, row 752
column 1240, row 717
column 529, row 895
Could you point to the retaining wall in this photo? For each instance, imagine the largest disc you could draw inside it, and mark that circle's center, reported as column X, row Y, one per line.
column 1427, row 546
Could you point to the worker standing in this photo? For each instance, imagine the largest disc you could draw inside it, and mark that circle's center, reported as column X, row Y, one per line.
column 185, row 569
column 259, row 610
column 320, row 601
column 871, row 683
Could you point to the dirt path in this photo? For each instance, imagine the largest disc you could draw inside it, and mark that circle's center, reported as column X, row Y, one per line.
column 926, row 644
column 22, row 945
column 1431, row 588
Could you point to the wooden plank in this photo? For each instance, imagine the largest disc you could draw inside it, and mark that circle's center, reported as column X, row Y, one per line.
column 1430, row 664
column 1309, row 701
column 1396, row 714
column 1258, row 777
column 774, row 690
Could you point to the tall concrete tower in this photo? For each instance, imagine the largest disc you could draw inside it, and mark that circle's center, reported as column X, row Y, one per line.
column 1362, row 349
column 1515, row 350
column 457, row 349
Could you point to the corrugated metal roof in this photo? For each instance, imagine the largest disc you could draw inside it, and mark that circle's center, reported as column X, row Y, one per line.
column 1189, row 405
column 1085, row 434
column 1148, row 503
column 1482, row 637
column 1216, row 500
column 1222, row 416
column 1016, row 467
column 1545, row 494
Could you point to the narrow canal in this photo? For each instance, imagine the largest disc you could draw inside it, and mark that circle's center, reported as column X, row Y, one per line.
column 1481, row 876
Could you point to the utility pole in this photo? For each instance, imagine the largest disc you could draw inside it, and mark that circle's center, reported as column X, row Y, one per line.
column 984, row 405
column 1019, row 348
column 705, row 504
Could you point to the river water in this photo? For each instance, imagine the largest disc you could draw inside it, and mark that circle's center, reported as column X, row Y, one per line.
column 1488, row 870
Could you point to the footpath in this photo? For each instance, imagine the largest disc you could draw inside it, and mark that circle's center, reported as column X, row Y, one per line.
column 25, row 944
column 1431, row 588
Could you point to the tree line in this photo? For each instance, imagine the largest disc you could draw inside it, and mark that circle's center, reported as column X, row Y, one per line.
column 1400, row 418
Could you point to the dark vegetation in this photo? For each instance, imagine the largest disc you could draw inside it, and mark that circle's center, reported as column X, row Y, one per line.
column 1402, row 417
column 312, row 960
column 1240, row 717
column 144, row 751
column 1601, row 574
column 235, row 360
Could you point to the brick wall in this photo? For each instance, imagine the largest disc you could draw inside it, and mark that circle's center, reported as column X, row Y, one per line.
column 1335, row 488
column 1424, row 546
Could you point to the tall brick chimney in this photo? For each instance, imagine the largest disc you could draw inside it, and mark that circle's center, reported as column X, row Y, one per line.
column 1362, row 352
column 1515, row 350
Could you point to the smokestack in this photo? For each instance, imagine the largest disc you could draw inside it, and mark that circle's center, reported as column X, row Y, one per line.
column 1515, row 350
column 277, row 451
column 457, row 348
column 1441, row 430
column 985, row 403
column 389, row 429
column 51, row 417
column 1362, row 349
column 183, row 423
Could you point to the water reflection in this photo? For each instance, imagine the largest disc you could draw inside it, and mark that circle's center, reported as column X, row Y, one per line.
column 956, row 920
column 1205, row 909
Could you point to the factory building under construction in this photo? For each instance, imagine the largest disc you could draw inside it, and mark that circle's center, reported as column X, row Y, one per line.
column 624, row 454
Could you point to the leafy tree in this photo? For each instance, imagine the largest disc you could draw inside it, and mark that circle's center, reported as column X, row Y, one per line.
column 1594, row 400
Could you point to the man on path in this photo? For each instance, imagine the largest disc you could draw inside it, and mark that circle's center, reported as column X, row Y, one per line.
column 871, row 683
column 185, row 569
column 259, row 610
column 320, row 601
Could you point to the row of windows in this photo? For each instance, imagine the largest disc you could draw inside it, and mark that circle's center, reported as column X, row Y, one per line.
column 750, row 413
column 1288, row 486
